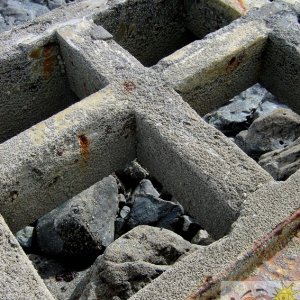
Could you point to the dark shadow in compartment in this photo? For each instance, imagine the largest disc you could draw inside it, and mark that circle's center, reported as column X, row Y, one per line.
column 151, row 30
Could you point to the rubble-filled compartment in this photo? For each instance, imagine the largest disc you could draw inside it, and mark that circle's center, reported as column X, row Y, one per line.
column 64, row 243
column 34, row 85
column 263, row 127
column 151, row 30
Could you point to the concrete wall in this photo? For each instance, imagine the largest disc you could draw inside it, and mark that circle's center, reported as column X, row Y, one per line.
column 139, row 112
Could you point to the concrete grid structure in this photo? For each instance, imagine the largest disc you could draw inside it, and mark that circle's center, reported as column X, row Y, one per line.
column 89, row 87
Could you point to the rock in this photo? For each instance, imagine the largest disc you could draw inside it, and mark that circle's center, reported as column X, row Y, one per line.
column 282, row 163
column 60, row 279
column 122, row 200
column 274, row 131
column 150, row 210
column 17, row 12
column 82, row 226
column 188, row 227
column 240, row 140
column 132, row 174
column 238, row 114
column 131, row 262
column 267, row 106
column 125, row 211
column 145, row 187
column 25, row 236
column 202, row 238
column 55, row 3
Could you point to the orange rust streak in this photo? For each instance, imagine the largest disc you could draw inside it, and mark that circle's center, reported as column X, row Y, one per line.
column 48, row 66
column 242, row 5
column 84, row 146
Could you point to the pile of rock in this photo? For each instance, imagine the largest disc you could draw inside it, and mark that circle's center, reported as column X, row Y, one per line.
column 121, row 221
column 14, row 12
column 264, row 128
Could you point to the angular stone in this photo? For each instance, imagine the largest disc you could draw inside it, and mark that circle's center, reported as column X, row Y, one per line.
column 133, row 174
column 125, row 211
column 188, row 227
column 237, row 115
column 267, row 106
column 149, row 210
column 82, row 226
column 282, row 163
column 145, row 187
column 274, row 131
column 24, row 237
column 131, row 262
column 202, row 238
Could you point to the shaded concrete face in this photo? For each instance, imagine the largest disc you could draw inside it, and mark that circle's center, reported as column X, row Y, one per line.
column 128, row 111
column 33, row 86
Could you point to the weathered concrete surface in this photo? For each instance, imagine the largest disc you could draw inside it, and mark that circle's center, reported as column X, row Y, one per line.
column 18, row 278
column 137, row 113
column 207, row 81
column 262, row 212
column 64, row 155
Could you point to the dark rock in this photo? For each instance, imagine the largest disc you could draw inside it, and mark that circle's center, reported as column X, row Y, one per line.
column 132, row 174
column 131, row 262
column 274, row 131
column 61, row 279
column 25, row 237
column 240, row 140
column 82, row 226
column 122, row 200
column 150, row 210
column 188, row 227
column 145, row 187
column 282, row 163
column 125, row 211
column 202, row 238
column 238, row 114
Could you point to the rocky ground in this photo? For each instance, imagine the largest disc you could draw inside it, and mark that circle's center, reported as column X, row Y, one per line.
column 14, row 12
column 112, row 239
column 264, row 128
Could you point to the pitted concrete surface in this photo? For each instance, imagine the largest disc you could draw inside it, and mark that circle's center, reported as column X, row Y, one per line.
column 127, row 103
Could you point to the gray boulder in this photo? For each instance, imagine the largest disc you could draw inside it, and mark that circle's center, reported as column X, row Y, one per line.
column 150, row 210
column 282, row 163
column 274, row 131
column 145, row 187
column 238, row 113
column 267, row 106
column 82, row 226
column 131, row 262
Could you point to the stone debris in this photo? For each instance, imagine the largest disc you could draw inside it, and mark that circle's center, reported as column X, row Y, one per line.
column 263, row 127
column 82, row 226
column 150, row 210
column 274, row 131
column 25, row 237
column 13, row 12
column 188, row 227
column 202, row 238
column 131, row 262
column 282, row 163
column 238, row 113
